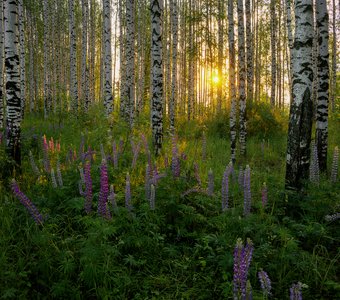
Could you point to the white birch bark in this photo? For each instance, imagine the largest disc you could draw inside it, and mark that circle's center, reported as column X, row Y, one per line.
column 249, row 41
column 47, row 93
column 321, row 134
column 174, row 30
column 242, row 77
column 220, row 53
column 191, row 65
column 157, row 75
column 273, row 52
column 301, row 110
column 232, row 80
column 130, row 61
column 84, row 67
column 334, row 58
column 73, row 60
column 1, row 67
column 12, row 69
column 92, row 49
column 22, row 54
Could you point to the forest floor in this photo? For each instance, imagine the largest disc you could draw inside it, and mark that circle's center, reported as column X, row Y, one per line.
column 183, row 249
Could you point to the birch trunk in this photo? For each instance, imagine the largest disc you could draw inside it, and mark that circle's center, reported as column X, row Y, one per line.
column 12, row 69
column 220, row 54
column 22, row 54
column 301, row 110
column 84, row 69
column 273, row 52
column 157, row 75
column 321, row 134
column 333, row 79
column 130, row 61
column 242, row 76
column 47, row 93
column 122, row 64
column 249, row 40
column 232, row 80
column 73, row 65
column 1, row 67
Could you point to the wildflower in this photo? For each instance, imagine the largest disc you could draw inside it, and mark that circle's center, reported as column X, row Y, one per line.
column 242, row 259
column 59, row 176
column 104, row 191
column 33, row 165
column 333, row 217
column 152, row 197
column 335, row 165
column 37, row 217
column 295, row 291
column 53, row 179
column 112, row 198
column 197, row 174
column 81, row 173
column 135, row 152
column 247, row 192
column 147, row 181
column 265, row 282
column 45, row 154
column 210, row 183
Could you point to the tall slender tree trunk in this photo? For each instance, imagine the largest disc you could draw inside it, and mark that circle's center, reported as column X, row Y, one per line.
column 84, row 68
column 242, row 77
column 22, row 55
column 333, row 79
column 174, row 30
column 130, row 61
column 321, row 134
column 157, row 75
column 92, row 49
column 220, row 54
column 73, row 59
column 290, row 42
column 1, row 66
column 191, row 64
column 249, row 42
column 122, row 64
column 47, row 93
column 273, row 51
column 232, row 80
column 301, row 110
column 12, row 69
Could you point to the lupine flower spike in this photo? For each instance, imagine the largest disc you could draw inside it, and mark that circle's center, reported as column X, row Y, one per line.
column 37, row 217
column 104, row 191
column 112, row 198
column 335, row 165
column 152, row 197
column 59, row 176
column 197, row 174
column 45, row 153
column 33, row 165
column 265, row 282
column 53, row 179
column 210, row 183
column 295, row 291
column 135, row 152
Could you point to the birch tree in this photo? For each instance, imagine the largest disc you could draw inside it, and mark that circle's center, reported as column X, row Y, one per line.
column 249, row 40
column 130, row 61
column 220, row 53
column 301, row 110
column 174, row 30
column 73, row 60
column 1, row 67
column 12, row 69
column 273, row 51
column 157, row 75
column 321, row 134
column 333, row 78
column 22, row 54
column 108, row 99
column 242, row 76
column 232, row 79
column 84, row 68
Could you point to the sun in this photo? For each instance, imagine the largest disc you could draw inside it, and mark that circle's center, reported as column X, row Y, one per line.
column 215, row 79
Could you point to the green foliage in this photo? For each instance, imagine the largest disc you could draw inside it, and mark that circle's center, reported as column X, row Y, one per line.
column 183, row 249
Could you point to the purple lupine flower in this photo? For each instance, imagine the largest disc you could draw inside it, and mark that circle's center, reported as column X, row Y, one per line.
column 204, row 147
column 59, row 176
column 249, row 291
column 104, row 191
column 89, row 154
column 242, row 259
column 225, row 189
column 115, row 155
column 166, row 162
column 333, row 217
column 264, row 195
column 265, row 282
column 314, row 172
column 184, row 156
column 152, row 197
column 175, row 163
column 241, row 178
column 53, row 179
column 88, row 188
column 295, row 292
column 197, row 174
column 37, row 217
column 211, row 184
column 135, row 152
column 335, row 165
column 247, row 192
column 128, row 193
column 112, row 198
column 82, row 176
column 33, row 165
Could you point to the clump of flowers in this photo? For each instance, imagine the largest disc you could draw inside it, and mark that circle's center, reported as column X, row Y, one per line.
column 335, row 165
column 265, row 282
column 37, row 217
column 104, row 192
column 247, row 192
column 295, row 292
column 242, row 258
